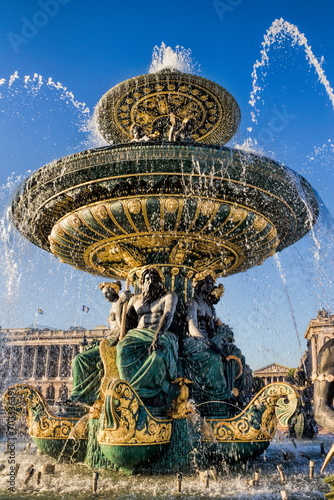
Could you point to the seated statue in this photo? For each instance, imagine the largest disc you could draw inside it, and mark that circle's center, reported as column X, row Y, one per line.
column 208, row 350
column 147, row 355
column 181, row 130
column 87, row 368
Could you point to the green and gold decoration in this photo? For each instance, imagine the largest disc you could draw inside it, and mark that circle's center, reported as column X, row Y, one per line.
column 276, row 402
column 166, row 193
column 129, row 434
column 153, row 104
column 176, row 206
column 172, row 196
column 50, row 433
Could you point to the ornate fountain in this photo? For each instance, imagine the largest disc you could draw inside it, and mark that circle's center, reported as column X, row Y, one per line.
column 166, row 194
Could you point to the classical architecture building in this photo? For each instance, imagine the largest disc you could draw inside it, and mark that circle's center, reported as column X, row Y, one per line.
column 272, row 373
column 42, row 357
column 318, row 332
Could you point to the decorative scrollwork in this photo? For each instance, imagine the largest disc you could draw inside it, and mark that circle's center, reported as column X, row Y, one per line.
column 169, row 106
column 22, row 399
column 275, row 402
column 128, row 422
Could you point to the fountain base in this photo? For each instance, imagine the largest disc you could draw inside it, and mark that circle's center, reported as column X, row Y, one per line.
column 127, row 436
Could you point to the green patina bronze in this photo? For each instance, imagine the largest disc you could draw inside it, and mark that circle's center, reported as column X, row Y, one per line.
column 67, row 450
column 50, row 433
column 211, row 199
column 167, row 197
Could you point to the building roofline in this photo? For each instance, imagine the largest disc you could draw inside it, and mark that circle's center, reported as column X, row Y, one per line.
column 272, row 364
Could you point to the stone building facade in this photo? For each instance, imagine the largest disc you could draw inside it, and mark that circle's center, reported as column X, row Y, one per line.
column 318, row 332
column 42, row 358
column 272, row 373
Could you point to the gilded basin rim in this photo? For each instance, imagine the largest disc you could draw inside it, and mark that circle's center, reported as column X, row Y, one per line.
column 45, row 188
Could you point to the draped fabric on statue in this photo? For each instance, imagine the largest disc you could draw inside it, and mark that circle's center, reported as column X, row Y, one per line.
column 205, row 368
column 149, row 374
column 87, row 372
column 232, row 368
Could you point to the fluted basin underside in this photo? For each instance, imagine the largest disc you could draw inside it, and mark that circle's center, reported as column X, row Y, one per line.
column 109, row 210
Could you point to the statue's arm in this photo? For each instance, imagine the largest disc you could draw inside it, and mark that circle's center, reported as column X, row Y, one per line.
column 170, row 302
column 132, row 318
column 119, row 310
column 193, row 320
column 124, row 297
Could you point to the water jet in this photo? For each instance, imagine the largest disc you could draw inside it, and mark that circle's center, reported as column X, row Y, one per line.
column 166, row 196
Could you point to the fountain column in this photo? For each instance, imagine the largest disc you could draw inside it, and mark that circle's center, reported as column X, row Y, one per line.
column 21, row 361
column 60, row 357
column 34, row 365
column 47, row 361
column 314, row 355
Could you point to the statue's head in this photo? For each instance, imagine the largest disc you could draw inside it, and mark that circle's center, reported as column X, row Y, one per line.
column 204, row 282
column 111, row 290
column 151, row 280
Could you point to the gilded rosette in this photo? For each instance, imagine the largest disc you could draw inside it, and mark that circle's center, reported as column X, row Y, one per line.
column 154, row 103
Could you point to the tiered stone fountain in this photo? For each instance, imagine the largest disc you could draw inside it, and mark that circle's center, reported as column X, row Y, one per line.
column 165, row 193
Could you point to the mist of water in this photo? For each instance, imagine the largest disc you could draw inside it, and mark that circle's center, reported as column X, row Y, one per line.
column 277, row 32
column 180, row 59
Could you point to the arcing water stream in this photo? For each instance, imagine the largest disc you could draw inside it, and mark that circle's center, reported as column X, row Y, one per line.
column 179, row 59
column 278, row 31
column 24, row 265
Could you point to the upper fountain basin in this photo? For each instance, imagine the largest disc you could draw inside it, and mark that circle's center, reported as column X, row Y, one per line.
column 109, row 210
column 165, row 105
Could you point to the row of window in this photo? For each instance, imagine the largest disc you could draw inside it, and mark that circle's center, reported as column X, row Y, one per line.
column 31, row 361
column 51, row 396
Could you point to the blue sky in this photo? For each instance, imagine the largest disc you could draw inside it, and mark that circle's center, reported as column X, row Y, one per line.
column 90, row 47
